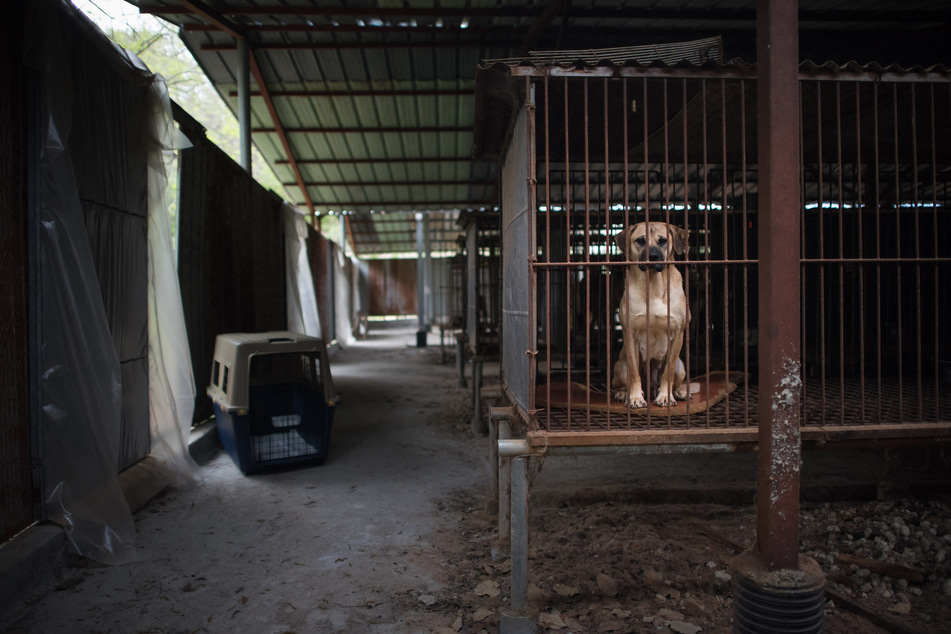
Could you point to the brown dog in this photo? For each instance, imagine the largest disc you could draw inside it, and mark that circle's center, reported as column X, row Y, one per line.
column 653, row 315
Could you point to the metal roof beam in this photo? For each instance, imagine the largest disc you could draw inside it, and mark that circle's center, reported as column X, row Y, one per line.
column 627, row 13
column 383, row 161
column 212, row 16
column 335, row 46
column 408, row 205
column 356, row 28
column 394, row 183
column 408, row 92
column 453, row 129
column 554, row 9
column 281, row 132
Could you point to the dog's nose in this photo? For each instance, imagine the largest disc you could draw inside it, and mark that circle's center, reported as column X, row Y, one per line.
column 655, row 255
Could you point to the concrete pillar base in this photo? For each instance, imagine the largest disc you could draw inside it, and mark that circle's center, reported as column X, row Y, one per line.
column 516, row 624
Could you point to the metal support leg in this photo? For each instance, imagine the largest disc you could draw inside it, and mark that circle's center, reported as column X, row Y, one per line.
column 518, row 619
column 505, row 484
column 493, row 506
column 500, row 425
column 519, row 535
column 461, row 358
column 477, row 427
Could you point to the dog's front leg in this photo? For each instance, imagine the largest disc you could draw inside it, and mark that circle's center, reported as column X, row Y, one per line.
column 635, row 389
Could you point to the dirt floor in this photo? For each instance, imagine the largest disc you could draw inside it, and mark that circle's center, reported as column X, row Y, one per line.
column 394, row 533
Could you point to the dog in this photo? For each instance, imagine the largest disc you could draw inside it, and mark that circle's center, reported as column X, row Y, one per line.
column 653, row 313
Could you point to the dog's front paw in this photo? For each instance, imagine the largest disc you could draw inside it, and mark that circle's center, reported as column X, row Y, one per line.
column 636, row 401
column 665, row 400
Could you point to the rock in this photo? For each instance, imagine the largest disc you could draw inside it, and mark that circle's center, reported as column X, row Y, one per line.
column 427, row 599
column 900, row 608
column 607, row 585
column 694, row 607
column 722, row 575
column 682, row 627
column 563, row 590
column 551, row 620
column 481, row 614
column 670, row 615
column 488, row 588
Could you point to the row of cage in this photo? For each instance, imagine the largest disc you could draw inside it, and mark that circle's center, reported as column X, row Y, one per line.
column 601, row 153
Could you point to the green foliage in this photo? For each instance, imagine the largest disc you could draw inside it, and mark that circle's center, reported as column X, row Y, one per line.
column 157, row 44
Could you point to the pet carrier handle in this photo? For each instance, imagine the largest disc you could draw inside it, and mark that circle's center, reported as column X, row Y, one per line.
column 280, row 340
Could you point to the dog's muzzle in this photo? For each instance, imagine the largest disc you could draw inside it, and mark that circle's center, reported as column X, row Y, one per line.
column 652, row 254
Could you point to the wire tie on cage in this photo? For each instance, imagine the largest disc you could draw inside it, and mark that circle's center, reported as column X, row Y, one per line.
column 531, row 353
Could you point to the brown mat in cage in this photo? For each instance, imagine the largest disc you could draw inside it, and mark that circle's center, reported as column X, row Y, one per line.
column 706, row 391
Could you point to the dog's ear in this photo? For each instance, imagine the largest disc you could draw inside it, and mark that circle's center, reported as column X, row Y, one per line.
column 623, row 241
column 679, row 236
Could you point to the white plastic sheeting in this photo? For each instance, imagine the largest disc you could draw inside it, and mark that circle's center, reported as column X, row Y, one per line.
column 79, row 381
column 171, row 381
column 302, row 315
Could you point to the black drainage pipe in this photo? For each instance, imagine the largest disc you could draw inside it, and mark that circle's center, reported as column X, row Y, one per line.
column 779, row 601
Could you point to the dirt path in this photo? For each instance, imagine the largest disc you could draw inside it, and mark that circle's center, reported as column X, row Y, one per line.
column 392, row 534
column 322, row 549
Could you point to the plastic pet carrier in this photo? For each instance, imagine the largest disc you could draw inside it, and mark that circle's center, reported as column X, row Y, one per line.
column 273, row 399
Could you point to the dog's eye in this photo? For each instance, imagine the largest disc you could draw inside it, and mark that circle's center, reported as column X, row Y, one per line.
column 661, row 241
column 640, row 241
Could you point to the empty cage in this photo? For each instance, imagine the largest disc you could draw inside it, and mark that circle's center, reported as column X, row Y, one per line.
column 483, row 281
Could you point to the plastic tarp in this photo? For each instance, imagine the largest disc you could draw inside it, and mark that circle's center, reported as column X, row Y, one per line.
column 80, row 380
column 302, row 314
column 171, row 380
column 344, row 287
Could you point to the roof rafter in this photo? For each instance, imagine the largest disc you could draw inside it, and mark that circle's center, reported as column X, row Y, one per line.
column 435, row 183
column 356, row 28
column 334, row 46
column 363, row 130
column 410, row 205
column 638, row 12
column 383, row 160
column 406, row 92
column 216, row 18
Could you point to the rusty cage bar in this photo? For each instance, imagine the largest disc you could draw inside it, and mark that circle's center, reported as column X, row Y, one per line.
column 610, row 147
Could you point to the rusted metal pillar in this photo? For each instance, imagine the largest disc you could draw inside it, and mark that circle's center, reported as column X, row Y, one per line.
column 779, row 361
column 777, row 590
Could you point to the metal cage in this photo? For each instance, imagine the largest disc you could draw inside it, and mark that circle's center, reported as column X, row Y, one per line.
column 603, row 148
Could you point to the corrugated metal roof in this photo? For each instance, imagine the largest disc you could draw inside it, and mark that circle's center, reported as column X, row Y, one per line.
column 695, row 52
column 374, row 101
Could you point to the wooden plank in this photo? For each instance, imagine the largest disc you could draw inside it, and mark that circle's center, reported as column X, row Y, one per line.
column 896, row 571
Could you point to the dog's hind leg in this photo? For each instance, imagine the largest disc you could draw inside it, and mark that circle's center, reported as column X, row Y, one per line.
column 619, row 380
column 681, row 387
